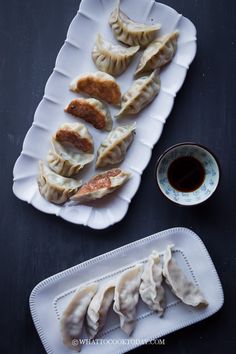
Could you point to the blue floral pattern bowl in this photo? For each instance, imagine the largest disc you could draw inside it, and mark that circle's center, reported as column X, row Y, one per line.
column 208, row 161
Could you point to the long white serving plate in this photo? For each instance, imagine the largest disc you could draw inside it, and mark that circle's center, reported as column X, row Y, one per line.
column 50, row 297
column 73, row 59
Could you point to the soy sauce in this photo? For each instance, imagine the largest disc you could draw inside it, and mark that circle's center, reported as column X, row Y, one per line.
column 186, row 174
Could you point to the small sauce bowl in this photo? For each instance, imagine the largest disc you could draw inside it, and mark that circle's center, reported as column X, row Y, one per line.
column 208, row 162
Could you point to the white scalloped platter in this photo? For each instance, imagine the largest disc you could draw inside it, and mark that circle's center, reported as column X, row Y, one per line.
column 74, row 59
column 49, row 298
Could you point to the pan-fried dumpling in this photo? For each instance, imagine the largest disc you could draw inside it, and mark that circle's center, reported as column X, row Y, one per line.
column 98, row 309
column 74, row 315
column 54, row 188
column 140, row 94
column 110, row 58
column 158, row 53
column 75, row 135
column 113, row 149
column 92, row 111
column 72, row 149
column 180, row 285
column 127, row 296
column 99, row 85
column 151, row 290
column 130, row 32
column 101, row 185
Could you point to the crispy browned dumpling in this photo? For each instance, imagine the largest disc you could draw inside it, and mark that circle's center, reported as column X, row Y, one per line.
column 68, row 136
column 99, row 85
column 92, row 111
column 72, row 149
column 101, row 185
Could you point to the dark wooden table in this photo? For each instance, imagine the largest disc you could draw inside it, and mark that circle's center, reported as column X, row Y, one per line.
column 35, row 245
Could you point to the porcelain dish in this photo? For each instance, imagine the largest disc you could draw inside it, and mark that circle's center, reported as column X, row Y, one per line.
column 74, row 59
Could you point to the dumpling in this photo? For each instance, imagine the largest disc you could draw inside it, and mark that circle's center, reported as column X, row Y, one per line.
column 113, row 149
column 101, row 185
column 130, row 32
column 72, row 149
column 127, row 296
column 110, row 58
column 67, row 161
column 158, row 53
column 54, row 188
column 99, row 85
column 140, row 94
column 98, row 309
column 75, row 135
column 180, row 285
column 151, row 290
column 73, row 318
column 92, row 111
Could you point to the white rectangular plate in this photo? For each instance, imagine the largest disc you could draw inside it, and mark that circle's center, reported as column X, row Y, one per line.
column 50, row 297
column 73, row 59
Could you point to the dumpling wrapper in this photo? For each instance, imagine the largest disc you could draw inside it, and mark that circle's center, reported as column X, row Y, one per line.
column 101, row 185
column 110, row 58
column 130, row 32
column 98, row 309
column 159, row 53
column 113, row 149
column 99, row 85
column 181, row 286
column 72, row 149
column 127, row 296
column 54, row 188
column 92, row 111
column 73, row 317
column 151, row 290
column 140, row 94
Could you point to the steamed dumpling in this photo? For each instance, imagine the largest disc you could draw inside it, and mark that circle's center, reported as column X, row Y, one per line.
column 140, row 94
column 127, row 296
column 110, row 58
column 98, row 309
column 66, row 160
column 73, row 317
column 151, row 290
column 72, row 149
column 180, row 285
column 101, row 185
column 99, row 85
column 113, row 149
column 130, row 32
column 158, row 53
column 54, row 188
column 92, row 111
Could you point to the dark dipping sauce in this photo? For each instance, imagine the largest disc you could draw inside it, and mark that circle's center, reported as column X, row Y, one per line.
column 186, row 174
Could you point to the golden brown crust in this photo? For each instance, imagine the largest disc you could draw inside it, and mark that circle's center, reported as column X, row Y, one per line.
column 66, row 136
column 82, row 109
column 100, row 88
column 99, row 182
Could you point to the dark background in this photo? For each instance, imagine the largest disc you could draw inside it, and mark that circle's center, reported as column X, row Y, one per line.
column 35, row 245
